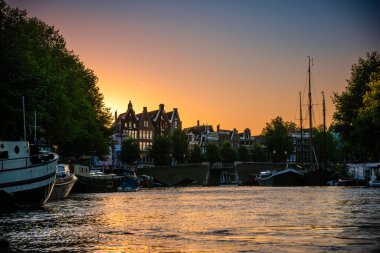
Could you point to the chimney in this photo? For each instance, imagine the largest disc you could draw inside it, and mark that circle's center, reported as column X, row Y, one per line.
column 145, row 109
column 197, row 123
column 115, row 115
column 218, row 128
column 162, row 107
column 129, row 105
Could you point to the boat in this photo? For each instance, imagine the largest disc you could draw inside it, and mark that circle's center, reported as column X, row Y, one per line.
column 27, row 175
column 95, row 180
column 64, row 182
column 374, row 178
column 285, row 177
column 345, row 181
column 129, row 184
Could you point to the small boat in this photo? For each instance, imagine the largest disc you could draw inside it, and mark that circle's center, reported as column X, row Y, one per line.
column 374, row 178
column 346, row 182
column 27, row 175
column 286, row 177
column 129, row 184
column 64, row 182
column 93, row 181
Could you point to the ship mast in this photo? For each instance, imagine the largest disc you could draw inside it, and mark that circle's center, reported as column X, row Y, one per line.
column 310, row 122
column 324, row 132
column 301, row 132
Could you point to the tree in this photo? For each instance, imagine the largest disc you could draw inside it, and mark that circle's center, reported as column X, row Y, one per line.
column 276, row 137
column 35, row 64
column 196, row 155
column 228, row 153
column 212, row 153
column 325, row 146
column 243, row 154
column 258, row 154
column 180, row 145
column 161, row 150
column 130, row 151
column 355, row 116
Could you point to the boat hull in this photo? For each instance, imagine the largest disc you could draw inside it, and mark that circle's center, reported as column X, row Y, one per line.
column 27, row 187
column 288, row 178
column 374, row 184
column 62, row 187
column 89, row 184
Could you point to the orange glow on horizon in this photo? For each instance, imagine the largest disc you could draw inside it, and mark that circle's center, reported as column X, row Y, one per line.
column 238, row 64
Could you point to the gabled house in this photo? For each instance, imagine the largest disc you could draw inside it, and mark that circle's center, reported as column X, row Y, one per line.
column 161, row 121
column 246, row 139
column 146, row 135
column 143, row 127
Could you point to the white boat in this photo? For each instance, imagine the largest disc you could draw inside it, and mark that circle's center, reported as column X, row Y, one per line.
column 26, row 175
column 64, row 182
column 374, row 178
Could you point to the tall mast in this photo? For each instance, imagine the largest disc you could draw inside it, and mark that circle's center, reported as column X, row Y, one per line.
column 324, row 132
column 301, row 132
column 310, row 122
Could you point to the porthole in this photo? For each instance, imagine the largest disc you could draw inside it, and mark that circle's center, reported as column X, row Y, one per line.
column 17, row 149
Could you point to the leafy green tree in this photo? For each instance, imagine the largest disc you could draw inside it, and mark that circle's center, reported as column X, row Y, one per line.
column 196, row 155
column 356, row 115
column 130, row 151
column 258, row 154
column 180, row 145
column 325, row 146
column 243, row 154
column 229, row 155
column 161, row 150
column 276, row 137
column 213, row 153
column 35, row 64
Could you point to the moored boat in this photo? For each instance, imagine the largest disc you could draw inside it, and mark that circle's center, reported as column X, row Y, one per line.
column 286, row 177
column 374, row 178
column 26, row 175
column 95, row 180
column 129, row 184
column 64, row 182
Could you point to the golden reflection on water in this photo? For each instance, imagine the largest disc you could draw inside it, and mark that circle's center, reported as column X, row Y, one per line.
column 234, row 219
column 204, row 219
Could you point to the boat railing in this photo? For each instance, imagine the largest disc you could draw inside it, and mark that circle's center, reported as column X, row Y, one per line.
column 19, row 162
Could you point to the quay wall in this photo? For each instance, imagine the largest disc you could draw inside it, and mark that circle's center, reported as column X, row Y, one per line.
column 176, row 174
column 204, row 174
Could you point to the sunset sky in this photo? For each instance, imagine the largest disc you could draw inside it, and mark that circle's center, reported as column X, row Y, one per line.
column 234, row 63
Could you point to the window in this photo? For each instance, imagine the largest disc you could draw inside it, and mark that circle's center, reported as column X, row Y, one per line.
column 146, row 123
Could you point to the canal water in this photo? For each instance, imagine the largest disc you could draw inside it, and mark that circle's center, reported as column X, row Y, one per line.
column 203, row 219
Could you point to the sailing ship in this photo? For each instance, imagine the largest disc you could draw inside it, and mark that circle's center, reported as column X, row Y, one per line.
column 315, row 176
